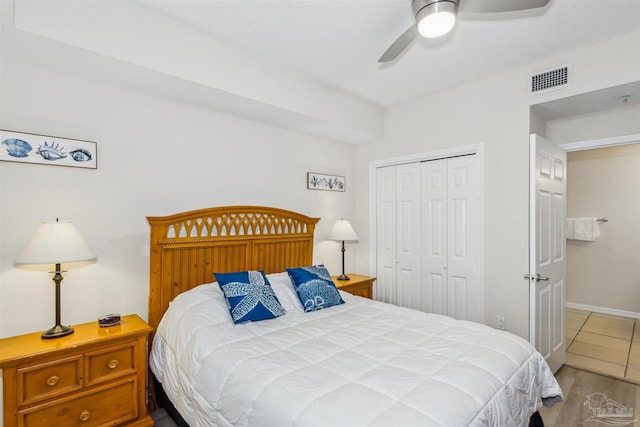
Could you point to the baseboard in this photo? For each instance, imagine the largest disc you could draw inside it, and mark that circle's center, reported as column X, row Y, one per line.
column 603, row 310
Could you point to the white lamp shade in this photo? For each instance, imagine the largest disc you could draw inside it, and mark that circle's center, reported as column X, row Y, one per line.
column 342, row 230
column 55, row 243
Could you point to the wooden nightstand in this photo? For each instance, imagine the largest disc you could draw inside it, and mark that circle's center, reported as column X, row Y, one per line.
column 96, row 376
column 356, row 285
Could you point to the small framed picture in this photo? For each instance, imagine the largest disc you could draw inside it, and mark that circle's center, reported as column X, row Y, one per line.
column 47, row 150
column 318, row 181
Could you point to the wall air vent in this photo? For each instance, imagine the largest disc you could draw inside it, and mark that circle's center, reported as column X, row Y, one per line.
column 549, row 80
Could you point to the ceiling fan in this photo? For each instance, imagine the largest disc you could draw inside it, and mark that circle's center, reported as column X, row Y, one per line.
column 435, row 18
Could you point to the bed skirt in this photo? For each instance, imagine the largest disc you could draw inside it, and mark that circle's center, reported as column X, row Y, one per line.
column 163, row 402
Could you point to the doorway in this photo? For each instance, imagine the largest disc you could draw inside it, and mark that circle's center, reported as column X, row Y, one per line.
column 603, row 185
column 603, row 295
column 580, row 118
column 550, row 253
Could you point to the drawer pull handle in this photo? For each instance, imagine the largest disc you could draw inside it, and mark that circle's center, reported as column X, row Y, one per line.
column 112, row 364
column 84, row 415
column 52, row 381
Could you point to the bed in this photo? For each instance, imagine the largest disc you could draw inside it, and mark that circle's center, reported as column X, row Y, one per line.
column 357, row 363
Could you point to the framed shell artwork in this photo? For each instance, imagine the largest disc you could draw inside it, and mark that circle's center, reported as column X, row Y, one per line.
column 47, row 150
column 318, row 181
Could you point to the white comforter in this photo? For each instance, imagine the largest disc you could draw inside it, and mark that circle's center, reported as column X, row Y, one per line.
column 363, row 363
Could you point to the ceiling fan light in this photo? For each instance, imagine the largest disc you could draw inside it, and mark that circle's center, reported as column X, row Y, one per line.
column 436, row 19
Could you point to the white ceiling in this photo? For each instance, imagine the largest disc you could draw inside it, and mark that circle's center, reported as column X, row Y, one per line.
column 338, row 42
column 291, row 50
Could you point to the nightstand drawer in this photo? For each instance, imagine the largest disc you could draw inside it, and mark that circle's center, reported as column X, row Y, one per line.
column 362, row 291
column 48, row 379
column 109, row 405
column 114, row 362
column 357, row 284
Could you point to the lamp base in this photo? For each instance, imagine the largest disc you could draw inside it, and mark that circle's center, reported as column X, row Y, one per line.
column 57, row 332
column 343, row 277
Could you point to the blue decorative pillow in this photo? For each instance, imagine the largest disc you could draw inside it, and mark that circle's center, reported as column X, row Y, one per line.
column 250, row 296
column 314, row 287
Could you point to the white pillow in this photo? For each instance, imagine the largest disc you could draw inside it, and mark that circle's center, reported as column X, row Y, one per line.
column 282, row 286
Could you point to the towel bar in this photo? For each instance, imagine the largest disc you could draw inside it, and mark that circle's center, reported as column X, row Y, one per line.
column 605, row 219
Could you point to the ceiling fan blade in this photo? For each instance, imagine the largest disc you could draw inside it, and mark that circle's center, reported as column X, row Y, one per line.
column 398, row 46
column 497, row 6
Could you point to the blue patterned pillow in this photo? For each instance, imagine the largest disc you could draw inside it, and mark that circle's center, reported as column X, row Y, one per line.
column 250, row 296
column 314, row 287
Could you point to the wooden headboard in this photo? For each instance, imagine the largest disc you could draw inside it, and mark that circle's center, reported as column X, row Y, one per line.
column 188, row 247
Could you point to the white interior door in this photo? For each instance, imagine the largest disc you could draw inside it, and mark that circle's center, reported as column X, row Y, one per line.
column 465, row 229
column 428, row 233
column 547, row 260
column 398, row 236
column 386, row 234
column 452, row 236
column 408, row 292
column 434, row 237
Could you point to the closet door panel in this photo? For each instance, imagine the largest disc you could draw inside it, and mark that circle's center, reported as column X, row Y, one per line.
column 465, row 222
column 459, row 232
column 385, row 280
column 458, row 259
column 458, row 298
column 408, row 235
column 435, row 294
column 434, row 236
column 386, row 234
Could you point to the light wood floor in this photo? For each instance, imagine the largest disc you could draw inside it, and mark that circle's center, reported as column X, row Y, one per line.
column 603, row 344
column 584, row 392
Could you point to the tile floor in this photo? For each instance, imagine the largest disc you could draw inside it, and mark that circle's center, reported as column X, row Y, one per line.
column 603, row 344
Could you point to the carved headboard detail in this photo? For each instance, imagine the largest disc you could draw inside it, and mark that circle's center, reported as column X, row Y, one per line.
column 188, row 247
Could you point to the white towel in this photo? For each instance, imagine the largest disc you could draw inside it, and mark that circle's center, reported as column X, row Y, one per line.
column 570, row 231
column 586, row 229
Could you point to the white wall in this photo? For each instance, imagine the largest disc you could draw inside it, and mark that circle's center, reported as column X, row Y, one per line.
column 155, row 157
column 495, row 112
column 605, row 273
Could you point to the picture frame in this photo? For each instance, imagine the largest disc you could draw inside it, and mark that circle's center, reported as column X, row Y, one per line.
column 319, row 181
column 47, row 150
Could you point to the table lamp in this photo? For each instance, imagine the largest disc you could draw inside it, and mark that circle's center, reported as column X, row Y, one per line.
column 56, row 242
column 343, row 231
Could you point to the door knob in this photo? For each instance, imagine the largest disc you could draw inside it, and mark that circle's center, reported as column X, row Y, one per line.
column 537, row 278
